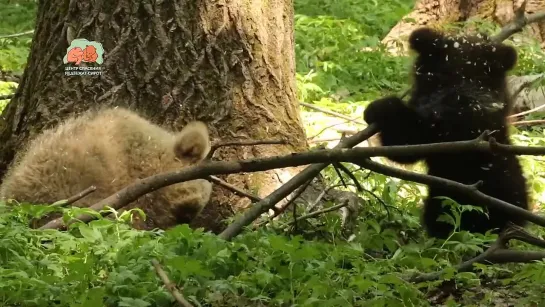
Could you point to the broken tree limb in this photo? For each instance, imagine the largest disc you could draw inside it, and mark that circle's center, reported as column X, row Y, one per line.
column 322, row 158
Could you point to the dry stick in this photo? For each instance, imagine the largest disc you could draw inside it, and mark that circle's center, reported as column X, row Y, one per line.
column 529, row 122
column 495, row 253
column 170, row 285
column 233, row 188
column 310, row 106
column 69, row 201
column 17, row 34
column 505, row 255
column 310, row 207
column 320, row 157
column 466, row 265
column 202, row 170
column 277, row 211
column 307, row 174
column 527, row 112
column 520, row 21
column 321, row 196
column 216, row 146
column 80, row 195
column 349, row 174
column 316, row 213
column 470, row 191
column 324, row 140
column 310, row 139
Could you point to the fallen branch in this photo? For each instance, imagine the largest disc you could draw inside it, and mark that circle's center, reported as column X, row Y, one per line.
column 324, row 157
column 233, row 189
column 217, row 146
column 518, row 23
column 466, row 265
column 296, row 181
column 505, row 256
column 170, row 285
column 470, row 191
column 496, row 253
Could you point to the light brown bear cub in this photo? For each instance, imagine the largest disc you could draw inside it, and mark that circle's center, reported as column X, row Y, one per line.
column 110, row 149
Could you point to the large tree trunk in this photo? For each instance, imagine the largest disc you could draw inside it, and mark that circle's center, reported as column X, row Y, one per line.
column 228, row 63
column 438, row 12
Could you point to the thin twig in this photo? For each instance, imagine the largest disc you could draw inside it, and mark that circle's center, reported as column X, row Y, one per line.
column 17, row 34
column 529, row 122
column 319, row 212
column 307, row 174
column 321, row 195
column 217, row 146
column 170, row 285
column 332, row 139
column 310, row 139
column 518, row 23
column 282, row 209
column 310, row 106
column 298, row 192
column 466, row 265
column 80, row 195
column 495, row 253
column 349, row 174
column 233, row 188
column 527, row 112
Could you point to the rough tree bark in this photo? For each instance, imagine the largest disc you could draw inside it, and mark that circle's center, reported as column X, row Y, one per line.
column 437, row 12
column 228, row 63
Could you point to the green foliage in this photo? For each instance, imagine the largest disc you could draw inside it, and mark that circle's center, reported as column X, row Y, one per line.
column 6, row 88
column 338, row 48
column 17, row 17
column 108, row 263
column 376, row 17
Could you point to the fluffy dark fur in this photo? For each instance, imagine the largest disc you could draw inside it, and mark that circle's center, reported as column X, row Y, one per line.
column 459, row 91
column 111, row 148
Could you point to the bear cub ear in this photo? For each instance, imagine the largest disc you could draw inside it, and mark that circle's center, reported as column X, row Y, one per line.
column 426, row 40
column 192, row 144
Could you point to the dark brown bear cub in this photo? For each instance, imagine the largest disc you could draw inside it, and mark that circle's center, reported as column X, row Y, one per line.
column 459, row 92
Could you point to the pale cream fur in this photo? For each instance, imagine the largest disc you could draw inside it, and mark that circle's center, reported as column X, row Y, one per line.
column 110, row 149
